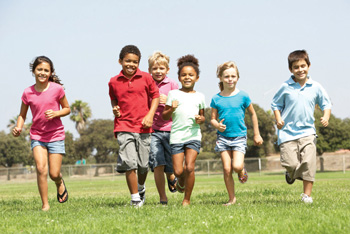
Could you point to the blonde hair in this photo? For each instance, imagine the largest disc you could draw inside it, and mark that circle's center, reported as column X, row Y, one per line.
column 159, row 58
column 222, row 68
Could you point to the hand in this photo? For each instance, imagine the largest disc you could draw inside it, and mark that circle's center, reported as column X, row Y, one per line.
column 116, row 111
column 16, row 131
column 174, row 104
column 221, row 127
column 147, row 121
column 162, row 99
column 50, row 114
column 198, row 119
column 280, row 124
column 258, row 140
column 324, row 121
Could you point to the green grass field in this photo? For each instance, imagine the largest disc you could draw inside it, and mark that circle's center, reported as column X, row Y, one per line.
column 266, row 204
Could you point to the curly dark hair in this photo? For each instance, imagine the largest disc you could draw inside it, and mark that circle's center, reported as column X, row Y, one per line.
column 41, row 59
column 188, row 60
column 129, row 49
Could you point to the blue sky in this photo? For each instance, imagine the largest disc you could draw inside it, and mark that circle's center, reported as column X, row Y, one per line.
column 83, row 39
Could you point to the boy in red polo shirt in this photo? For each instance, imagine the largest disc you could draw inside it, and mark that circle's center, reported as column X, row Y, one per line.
column 130, row 92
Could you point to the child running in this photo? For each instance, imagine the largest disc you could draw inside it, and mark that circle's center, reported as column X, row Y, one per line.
column 294, row 107
column 186, row 107
column 47, row 132
column 160, row 156
column 134, row 97
column 227, row 116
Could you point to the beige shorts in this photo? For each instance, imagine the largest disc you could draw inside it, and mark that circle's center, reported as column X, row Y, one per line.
column 134, row 151
column 299, row 158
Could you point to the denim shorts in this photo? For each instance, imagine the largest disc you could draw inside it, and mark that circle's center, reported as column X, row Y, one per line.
column 160, row 154
column 180, row 147
column 54, row 147
column 231, row 143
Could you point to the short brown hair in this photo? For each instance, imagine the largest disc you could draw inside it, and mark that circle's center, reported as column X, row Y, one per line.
column 296, row 56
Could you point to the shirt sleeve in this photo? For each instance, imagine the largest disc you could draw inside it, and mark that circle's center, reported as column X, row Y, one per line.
column 202, row 104
column 24, row 98
column 61, row 92
column 323, row 99
column 247, row 101
column 278, row 100
column 112, row 94
column 169, row 99
column 213, row 104
column 153, row 88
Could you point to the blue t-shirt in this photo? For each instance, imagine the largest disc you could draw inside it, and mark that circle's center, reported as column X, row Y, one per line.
column 297, row 106
column 232, row 109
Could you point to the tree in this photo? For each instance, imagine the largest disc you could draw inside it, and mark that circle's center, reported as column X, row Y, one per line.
column 71, row 156
column 98, row 140
column 208, row 134
column 267, row 132
column 13, row 150
column 80, row 113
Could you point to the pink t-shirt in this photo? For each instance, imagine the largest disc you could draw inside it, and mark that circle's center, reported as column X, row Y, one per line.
column 43, row 129
column 158, row 122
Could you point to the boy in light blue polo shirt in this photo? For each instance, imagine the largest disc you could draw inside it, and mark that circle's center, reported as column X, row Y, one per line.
column 293, row 106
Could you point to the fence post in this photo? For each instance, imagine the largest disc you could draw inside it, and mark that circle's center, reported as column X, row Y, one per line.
column 208, row 167
column 344, row 163
column 259, row 166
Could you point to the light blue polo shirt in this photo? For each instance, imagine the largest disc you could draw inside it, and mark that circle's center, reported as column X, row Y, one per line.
column 297, row 106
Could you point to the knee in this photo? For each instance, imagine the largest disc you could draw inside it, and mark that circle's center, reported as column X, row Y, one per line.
column 178, row 172
column 55, row 176
column 227, row 171
column 238, row 168
column 41, row 170
column 190, row 168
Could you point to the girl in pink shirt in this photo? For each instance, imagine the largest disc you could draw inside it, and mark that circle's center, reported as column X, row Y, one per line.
column 47, row 132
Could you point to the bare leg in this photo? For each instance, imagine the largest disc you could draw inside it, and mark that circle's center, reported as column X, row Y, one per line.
column 238, row 163
column 40, row 157
column 178, row 160
column 308, row 187
column 55, row 162
column 141, row 178
column 160, row 182
column 131, row 179
column 190, row 160
column 226, row 158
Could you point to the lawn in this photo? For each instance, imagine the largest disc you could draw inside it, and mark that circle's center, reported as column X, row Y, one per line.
column 266, row 204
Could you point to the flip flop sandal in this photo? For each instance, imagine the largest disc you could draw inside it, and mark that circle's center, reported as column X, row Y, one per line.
column 172, row 185
column 60, row 196
column 244, row 178
column 163, row 203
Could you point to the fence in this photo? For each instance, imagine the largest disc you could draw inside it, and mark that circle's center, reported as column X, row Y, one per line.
column 331, row 162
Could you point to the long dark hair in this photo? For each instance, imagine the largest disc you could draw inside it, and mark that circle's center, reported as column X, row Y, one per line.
column 40, row 59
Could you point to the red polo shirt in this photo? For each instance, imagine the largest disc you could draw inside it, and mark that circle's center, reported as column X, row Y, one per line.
column 133, row 97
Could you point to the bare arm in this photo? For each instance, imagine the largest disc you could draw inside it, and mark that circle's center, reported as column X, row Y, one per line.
column 325, row 117
column 200, row 118
column 50, row 114
column 257, row 138
column 16, row 131
column 148, row 119
column 218, row 125
column 168, row 110
column 278, row 118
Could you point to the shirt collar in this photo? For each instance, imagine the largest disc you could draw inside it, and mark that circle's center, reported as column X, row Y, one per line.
column 165, row 81
column 137, row 74
column 308, row 82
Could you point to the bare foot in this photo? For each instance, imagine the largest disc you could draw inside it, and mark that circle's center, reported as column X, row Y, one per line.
column 231, row 202
column 185, row 203
column 45, row 208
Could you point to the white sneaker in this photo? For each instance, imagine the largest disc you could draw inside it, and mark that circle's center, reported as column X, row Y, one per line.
column 136, row 204
column 306, row 199
column 143, row 194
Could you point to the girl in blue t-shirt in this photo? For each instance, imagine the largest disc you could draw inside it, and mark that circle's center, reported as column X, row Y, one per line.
column 227, row 116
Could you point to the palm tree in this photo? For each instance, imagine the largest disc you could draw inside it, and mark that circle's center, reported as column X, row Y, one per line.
column 80, row 113
column 12, row 123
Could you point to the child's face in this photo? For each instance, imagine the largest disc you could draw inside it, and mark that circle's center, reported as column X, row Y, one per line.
column 42, row 72
column 300, row 69
column 188, row 77
column 229, row 78
column 129, row 63
column 158, row 72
